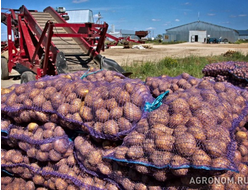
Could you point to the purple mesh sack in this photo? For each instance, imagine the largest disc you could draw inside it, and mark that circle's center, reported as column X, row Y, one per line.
column 60, row 175
column 232, row 72
column 159, row 85
column 48, row 142
column 106, row 109
column 193, row 128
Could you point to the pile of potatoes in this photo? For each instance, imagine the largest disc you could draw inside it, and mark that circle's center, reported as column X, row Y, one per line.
column 232, row 72
column 61, row 175
column 191, row 128
column 200, row 126
column 113, row 110
column 102, row 108
column 159, row 85
column 48, row 142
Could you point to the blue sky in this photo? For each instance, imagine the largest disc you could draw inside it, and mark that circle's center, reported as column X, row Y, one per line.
column 156, row 15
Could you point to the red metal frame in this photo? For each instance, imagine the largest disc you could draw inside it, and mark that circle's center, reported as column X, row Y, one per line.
column 36, row 51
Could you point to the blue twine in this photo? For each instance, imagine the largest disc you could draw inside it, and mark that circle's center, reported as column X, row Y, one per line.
column 5, row 171
column 156, row 103
column 87, row 74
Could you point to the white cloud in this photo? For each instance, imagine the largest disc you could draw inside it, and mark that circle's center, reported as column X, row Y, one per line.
column 242, row 15
column 95, row 15
column 177, row 20
column 187, row 3
column 167, row 23
column 232, row 16
column 79, row 1
column 150, row 28
column 155, row 20
column 210, row 14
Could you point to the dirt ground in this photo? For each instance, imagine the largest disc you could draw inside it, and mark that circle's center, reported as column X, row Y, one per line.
column 158, row 52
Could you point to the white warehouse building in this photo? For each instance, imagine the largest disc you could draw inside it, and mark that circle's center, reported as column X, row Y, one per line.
column 200, row 31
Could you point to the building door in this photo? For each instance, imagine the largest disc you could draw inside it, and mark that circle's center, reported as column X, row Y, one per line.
column 196, row 38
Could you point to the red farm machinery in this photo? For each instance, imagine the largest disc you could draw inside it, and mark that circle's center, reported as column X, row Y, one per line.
column 46, row 44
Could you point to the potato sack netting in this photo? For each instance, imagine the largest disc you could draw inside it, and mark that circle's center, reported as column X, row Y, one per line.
column 193, row 128
column 232, row 72
column 104, row 109
column 101, row 130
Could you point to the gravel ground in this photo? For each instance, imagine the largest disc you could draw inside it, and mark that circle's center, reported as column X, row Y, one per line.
column 158, row 52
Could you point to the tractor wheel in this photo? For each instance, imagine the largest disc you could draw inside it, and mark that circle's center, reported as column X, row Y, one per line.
column 27, row 76
column 4, row 69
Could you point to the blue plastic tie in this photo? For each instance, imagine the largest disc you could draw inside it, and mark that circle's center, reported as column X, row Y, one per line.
column 156, row 103
column 87, row 74
column 3, row 131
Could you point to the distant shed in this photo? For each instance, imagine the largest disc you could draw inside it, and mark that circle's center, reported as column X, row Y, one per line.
column 199, row 31
column 80, row 16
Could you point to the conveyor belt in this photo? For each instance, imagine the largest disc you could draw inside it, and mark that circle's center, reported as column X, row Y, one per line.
column 74, row 54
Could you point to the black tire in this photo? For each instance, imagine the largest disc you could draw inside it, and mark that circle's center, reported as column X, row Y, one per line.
column 4, row 69
column 27, row 76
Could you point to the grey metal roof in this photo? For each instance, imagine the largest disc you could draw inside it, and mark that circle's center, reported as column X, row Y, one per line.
column 203, row 23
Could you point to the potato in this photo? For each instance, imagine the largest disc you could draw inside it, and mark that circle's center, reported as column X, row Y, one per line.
column 63, row 109
column 197, row 132
column 46, row 147
column 61, row 184
column 205, row 84
column 135, row 152
column 219, row 87
column 134, row 138
column 98, row 127
column 58, row 132
column 179, row 130
column 94, row 157
column 149, row 146
column 47, row 106
column 38, row 179
column 237, row 157
column 185, row 144
column 140, row 186
column 105, row 169
column 176, row 119
column 75, row 105
column 178, row 161
column 98, row 104
column 34, row 92
column 243, row 150
column 200, row 158
column 11, row 99
column 40, row 84
column 127, row 184
column 159, row 116
column 42, row 156
column 71, row 97
column 179, row 106
column 215, row 147
column 206, row 117
column 156, row 92
column 20, row 89
column 111, row 104
column 120, row 152
column 122, row 97
column 54, row 156
column 241, row 135
column 38, row 135
column 174, row 87
column 165, row 142
column 116, row 113
column 194, row 103
column 86, row 113
column 114, row 92
column 180, row 172
column 110, row 127
column 132, row 112
column 61, row 145
column 102, row 115
column 17, row 158
column 32, row 153
column 124, row 124
column 220, row 162
column 160, row 175
column 49, row 92
column 160, row 158
column 57, row 99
